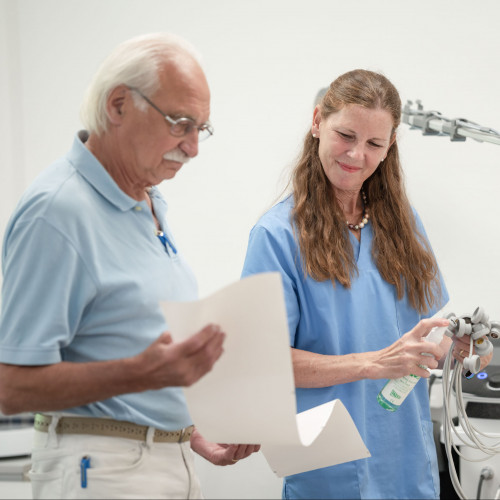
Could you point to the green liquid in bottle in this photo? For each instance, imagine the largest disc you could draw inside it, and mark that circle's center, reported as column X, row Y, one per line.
column 395, row 391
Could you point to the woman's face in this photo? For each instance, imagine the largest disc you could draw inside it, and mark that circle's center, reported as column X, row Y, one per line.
column 352, row 143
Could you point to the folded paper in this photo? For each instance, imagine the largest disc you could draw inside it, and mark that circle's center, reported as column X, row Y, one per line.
column 249, row 395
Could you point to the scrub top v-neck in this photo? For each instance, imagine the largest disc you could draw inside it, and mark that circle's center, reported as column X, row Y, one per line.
column 330, row 319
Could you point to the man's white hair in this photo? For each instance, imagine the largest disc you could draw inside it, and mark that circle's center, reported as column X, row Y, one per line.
column 135, row 63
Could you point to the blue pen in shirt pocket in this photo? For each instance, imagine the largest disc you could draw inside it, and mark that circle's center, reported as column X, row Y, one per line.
column 84, row 465
column 166, row 241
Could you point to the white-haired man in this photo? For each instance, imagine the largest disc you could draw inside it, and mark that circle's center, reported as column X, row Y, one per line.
column 87, row 257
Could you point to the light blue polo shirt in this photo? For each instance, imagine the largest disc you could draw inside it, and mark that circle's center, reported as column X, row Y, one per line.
column 83, row 274
column 336, row 320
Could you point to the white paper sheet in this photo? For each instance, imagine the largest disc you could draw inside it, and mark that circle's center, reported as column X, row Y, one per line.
column 249, row 395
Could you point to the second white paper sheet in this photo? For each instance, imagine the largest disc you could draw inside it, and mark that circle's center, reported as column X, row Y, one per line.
column 249, row 396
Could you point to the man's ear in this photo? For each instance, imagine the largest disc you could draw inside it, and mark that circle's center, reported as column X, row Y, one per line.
column 115, row 104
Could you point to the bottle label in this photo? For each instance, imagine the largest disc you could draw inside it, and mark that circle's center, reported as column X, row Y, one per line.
column 395, row 391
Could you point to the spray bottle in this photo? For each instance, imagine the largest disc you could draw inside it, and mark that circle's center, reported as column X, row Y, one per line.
column 395, row 391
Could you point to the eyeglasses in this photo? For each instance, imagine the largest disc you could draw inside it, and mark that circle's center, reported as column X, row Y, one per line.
column 181, row 126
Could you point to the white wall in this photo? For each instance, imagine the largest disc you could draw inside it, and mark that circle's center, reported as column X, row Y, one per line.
column 12, row 178
column 265, row 61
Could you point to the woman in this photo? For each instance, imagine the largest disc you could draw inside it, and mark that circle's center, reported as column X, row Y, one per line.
column 359, row 276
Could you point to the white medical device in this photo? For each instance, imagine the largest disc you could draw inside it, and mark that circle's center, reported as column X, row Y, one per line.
column 434, row 123
column 476, row 435
column 466, row 383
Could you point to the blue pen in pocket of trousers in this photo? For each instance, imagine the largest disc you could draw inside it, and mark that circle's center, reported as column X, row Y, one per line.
column 84, row 465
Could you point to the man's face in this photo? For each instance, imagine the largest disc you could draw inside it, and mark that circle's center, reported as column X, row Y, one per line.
column 148, row 152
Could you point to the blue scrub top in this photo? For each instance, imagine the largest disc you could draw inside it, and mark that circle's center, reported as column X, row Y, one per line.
column 83, row 276
column 335, row 320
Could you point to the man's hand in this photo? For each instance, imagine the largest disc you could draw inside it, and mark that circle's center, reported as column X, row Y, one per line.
column 221, row 454
column 167, row 363
column 66, row 384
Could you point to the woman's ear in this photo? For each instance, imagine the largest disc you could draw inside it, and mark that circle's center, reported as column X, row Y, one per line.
column 393, row 138
column 316, row 121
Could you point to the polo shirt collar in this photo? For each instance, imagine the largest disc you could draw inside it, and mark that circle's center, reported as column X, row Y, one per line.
column 89, row 167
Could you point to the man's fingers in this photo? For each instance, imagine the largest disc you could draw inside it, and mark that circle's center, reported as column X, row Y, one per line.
column 166, row 338
column 235, row 452
column 211, row 337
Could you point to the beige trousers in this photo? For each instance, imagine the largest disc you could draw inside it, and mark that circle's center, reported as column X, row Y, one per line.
column 85, row 466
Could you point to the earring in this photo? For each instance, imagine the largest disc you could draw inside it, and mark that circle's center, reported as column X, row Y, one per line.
column 314, row 135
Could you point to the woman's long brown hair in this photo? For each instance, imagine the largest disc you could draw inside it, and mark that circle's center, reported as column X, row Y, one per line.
column 402, row 255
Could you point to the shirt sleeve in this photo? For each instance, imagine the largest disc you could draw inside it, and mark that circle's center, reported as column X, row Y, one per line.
column 46, row 289
column 442, row 295
column 270, row 251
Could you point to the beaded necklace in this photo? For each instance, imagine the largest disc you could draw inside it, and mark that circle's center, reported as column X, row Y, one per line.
column 364, row 220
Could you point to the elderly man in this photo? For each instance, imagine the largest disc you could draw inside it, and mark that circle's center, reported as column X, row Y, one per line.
column 87, row 257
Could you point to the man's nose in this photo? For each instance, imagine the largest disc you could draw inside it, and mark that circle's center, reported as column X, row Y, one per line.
column 189, row 143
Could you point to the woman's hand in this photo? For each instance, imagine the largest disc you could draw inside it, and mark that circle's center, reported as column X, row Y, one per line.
column 408, row 354
column 461, row 350
column 403, row 357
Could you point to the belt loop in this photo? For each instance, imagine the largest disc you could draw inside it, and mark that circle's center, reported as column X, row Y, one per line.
column 181, row 437
column 53, row 439
column 150, row 434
